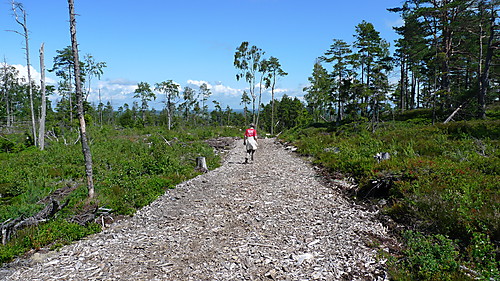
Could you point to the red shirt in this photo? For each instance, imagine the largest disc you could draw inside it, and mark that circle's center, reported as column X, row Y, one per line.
column 250, row 133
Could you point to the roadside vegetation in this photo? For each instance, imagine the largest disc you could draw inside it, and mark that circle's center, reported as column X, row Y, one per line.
column 441, row 181
column 440, row 124
column 132, row 167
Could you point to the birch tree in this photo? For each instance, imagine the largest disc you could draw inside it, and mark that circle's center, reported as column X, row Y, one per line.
column 274, row 72
column 205, row 93
column 92, row 69
column 247, row 62
column 171, row 91
column 144, row 92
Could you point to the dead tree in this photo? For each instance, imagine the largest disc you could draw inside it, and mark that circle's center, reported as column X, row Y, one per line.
column 41, row 128
column 79, row 97
column 10, row 227
column 21, row 20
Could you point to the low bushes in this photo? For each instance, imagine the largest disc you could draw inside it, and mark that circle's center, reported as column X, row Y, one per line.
column 132, row 167
column 442, row 179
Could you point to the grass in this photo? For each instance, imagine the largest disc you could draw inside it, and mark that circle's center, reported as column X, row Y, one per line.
column 443, row 179
column 132, row 167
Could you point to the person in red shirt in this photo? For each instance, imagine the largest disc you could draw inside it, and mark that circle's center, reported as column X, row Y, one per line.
column 250, row 140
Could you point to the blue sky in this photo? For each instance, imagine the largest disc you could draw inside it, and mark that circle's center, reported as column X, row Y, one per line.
column 190, row 41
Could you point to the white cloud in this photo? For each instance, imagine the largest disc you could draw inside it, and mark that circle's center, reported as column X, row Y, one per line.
column 121, row 91
column 35, row 75
column 395, row 23
column 198, row 83
column 117, row 92
column 217, row 89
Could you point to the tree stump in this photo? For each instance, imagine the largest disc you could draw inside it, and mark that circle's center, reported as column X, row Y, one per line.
column 201, row 164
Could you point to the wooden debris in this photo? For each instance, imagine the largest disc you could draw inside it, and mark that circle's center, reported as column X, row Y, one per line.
column 10, row 227
column 273, row 220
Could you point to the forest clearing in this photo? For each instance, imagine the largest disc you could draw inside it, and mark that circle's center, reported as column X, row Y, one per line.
column 272, row 219
column 380, row 147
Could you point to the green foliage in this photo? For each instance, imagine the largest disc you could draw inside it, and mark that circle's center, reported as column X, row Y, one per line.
column 15, row 142
column 132, row 168
column 476, row 129
column 442, row 179
column 482, row 257
column 433, row 257
column 55, row 233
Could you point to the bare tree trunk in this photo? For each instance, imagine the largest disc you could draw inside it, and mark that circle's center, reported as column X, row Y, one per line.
column 272, row 106
column 487, row 64
column 41, row 132
column 6, row 94
column 22, row 22
column 79, row 97
column 455, row 112
column 100, row 108
column 402, row 85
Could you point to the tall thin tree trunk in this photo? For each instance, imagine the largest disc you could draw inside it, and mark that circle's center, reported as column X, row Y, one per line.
column 101, row 105
column 70, row 96
column 412, row 95
column 79, row 97
column 487, row 64
column 402, row 84
column 272, row 105
column 30, row 89
column 18, row 6
column 41, row 132
column 6, row 94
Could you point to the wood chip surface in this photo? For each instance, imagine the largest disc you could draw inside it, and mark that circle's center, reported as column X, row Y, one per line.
column 269, row 220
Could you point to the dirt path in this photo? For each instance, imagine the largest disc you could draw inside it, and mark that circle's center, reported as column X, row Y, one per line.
column 271, row 220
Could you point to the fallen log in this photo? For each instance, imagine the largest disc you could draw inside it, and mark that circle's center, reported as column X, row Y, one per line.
column 10, row 227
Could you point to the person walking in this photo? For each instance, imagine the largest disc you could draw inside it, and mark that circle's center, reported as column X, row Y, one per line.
column 250, row 141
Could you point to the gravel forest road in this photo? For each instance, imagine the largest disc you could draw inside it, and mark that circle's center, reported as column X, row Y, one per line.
column 270, row 220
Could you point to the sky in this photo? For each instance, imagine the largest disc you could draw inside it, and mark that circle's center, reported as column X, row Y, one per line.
column 189, row 41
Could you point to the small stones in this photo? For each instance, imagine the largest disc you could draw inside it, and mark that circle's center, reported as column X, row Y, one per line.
column 273, row 220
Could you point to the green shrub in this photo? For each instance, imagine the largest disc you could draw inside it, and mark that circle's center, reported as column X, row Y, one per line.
column 482, row 257
column 477, row 129
column 132, row 167
column 442, row 179
column 432, row 257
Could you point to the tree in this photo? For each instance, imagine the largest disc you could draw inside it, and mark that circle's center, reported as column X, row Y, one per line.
column 245, row 101
column 43, row 113
column 247, row 62
column 64, row 68
column 447, row 47
column 171, row 91
column 291, row 113
column 188, row 95
column 484, row 81
column 229, row 111
column 10, row 83
column 263, row 69
column 79, row 97
column 274, row 71
column 339, row 55
column 144, row 92
column 205, row 93
column 318, row 91
column 375, row 64
column 91, row 68
column 217, row 113
column 21, row 20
